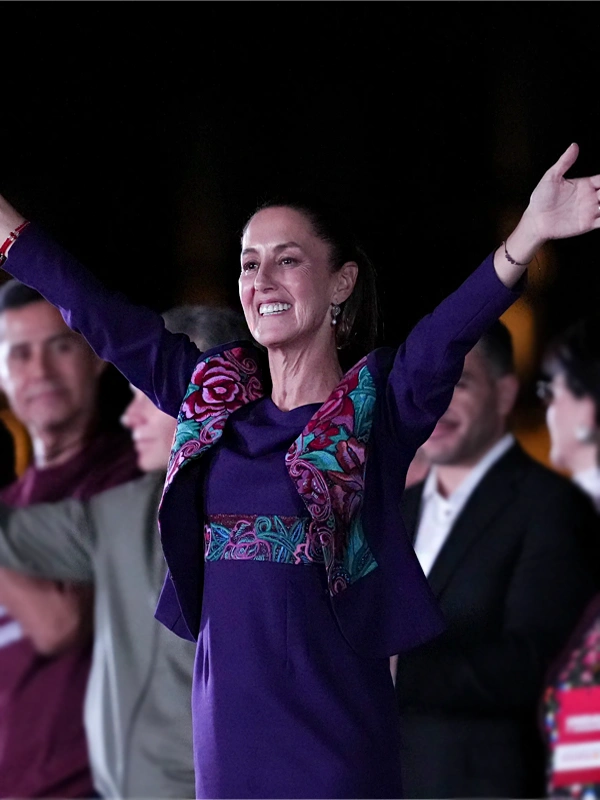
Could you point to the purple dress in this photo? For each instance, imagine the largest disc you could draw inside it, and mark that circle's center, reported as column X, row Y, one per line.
column 295, row 611
column 290, row 709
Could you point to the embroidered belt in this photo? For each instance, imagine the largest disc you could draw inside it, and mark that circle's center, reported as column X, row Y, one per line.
column 250, row 537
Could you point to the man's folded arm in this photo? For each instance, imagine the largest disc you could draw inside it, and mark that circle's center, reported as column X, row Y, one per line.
column 49, row 540
column 54, row 616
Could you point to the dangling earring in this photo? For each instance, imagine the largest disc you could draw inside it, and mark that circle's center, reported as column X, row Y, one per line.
column 335, row 310
column 584, row 434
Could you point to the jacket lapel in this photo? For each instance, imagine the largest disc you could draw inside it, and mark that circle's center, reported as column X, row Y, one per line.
column 222, row 382
column 327, row 466
column 495, row 491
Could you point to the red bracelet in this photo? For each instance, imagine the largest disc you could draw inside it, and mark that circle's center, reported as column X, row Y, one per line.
column 12, row 237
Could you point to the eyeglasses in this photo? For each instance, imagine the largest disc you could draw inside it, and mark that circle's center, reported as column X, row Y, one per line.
column 544, row 391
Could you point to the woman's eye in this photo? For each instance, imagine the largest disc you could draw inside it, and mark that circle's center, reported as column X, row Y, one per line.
column 287, row 261
column 249, row 266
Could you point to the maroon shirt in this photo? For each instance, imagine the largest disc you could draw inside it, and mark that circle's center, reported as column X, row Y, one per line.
column 43, row 750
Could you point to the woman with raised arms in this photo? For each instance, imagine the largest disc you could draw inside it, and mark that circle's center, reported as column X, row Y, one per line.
column 288, row 562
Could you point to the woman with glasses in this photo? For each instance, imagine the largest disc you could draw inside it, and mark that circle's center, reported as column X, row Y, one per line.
column 571, row 703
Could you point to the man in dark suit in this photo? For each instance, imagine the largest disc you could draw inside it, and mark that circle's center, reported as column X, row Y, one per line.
column 507, row 547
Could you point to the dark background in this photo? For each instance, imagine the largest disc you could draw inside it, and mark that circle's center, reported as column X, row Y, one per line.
column 142, row 134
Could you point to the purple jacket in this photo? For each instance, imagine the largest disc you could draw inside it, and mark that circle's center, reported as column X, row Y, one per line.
column 381, row 412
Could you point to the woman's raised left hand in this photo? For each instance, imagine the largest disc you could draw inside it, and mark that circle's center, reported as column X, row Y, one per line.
column 559, row 208
column 562, row 207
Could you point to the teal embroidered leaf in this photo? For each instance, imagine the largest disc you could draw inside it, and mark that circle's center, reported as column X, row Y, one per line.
column 185, row 432
column 363, row 400
column 323, row 459
column 359, row 559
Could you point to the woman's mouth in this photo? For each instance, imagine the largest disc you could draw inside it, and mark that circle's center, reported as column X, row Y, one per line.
column 267, row 309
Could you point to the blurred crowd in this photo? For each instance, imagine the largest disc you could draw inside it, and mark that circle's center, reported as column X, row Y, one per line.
column 95, row 693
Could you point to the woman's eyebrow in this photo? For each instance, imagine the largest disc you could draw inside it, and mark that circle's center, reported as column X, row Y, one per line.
column 277, row 247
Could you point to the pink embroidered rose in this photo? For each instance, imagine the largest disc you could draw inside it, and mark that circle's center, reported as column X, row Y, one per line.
column 337, row 411
column 220, row 390
column 323, row 432
column 339, row 408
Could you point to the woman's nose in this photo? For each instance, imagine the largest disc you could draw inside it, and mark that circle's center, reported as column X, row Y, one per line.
column 131, row 416
column 265, row 276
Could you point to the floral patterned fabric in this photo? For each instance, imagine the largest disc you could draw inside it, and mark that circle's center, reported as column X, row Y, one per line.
column 582, row 669
column 326, row 464
column 284, row 540
column 220, row 385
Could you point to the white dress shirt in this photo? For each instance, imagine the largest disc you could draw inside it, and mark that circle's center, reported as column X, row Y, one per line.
column 589, row 481
column 10, row 629
column 438, row 514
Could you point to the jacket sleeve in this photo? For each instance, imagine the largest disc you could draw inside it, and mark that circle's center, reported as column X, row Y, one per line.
column 131, row 337
column 49, row 540
column 429, row 363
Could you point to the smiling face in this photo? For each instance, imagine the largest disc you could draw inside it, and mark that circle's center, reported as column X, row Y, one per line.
column 476, row 417
column 48, row 373
column 287, row 285
column 152, row 432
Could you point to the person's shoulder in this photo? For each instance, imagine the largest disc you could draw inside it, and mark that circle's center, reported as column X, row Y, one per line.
column 239, row 344
column 414, row 488
column 239, row 350
column 241, row 356
column 137, row 491
column 382, row 358
column 15, row 493
column 541, row 472
column 548, row 486
column 380, row 362
column 131, row 506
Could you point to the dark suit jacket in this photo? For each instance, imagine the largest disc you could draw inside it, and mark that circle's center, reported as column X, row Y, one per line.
column 512, row 579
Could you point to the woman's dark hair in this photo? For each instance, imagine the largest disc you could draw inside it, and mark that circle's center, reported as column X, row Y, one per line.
column 357, row 324
column 575, row 353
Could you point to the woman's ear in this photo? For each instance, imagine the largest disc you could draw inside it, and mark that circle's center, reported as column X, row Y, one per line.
column 346, row 280
column 585, row 425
